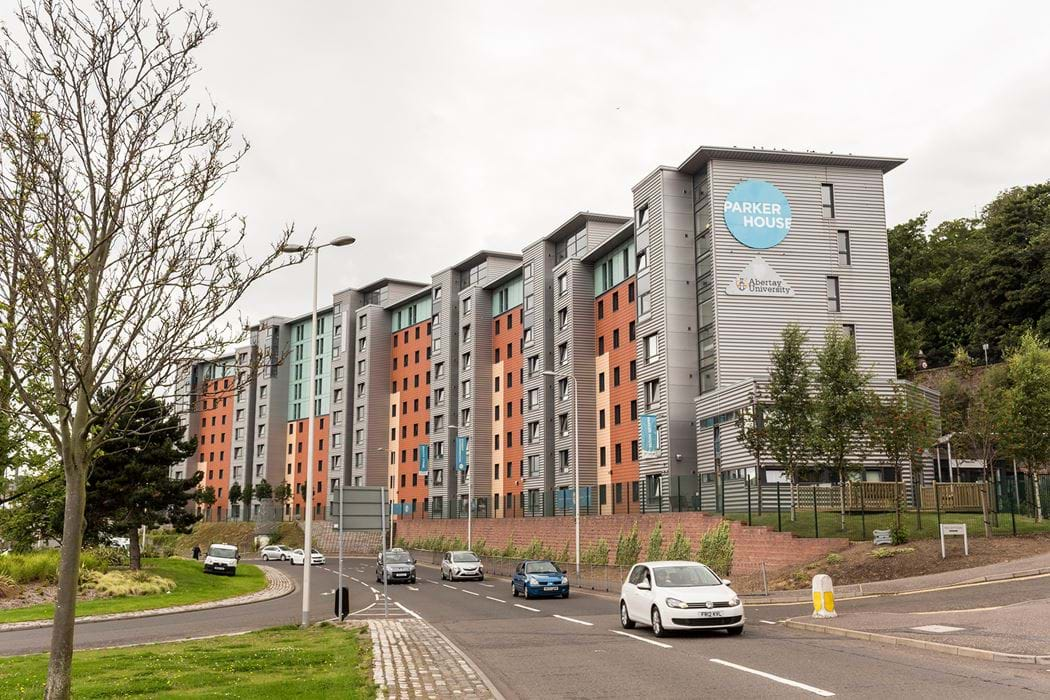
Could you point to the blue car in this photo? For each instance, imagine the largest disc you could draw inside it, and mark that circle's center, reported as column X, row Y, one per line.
column 539, row 577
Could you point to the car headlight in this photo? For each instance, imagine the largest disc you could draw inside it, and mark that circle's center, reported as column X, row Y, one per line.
column 564, row 580
column 734, row 601
column 675, row 603
column 533, row 581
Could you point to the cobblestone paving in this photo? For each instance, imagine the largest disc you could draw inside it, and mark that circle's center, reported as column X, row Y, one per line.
column 411, row 660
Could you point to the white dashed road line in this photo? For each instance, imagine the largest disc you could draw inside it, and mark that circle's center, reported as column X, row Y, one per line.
column 526, row 607
column 448, row 586
column 642, row 639
column 778, row 679
column 573, row 619
column 412, row 588
column 488, row 585
column 495, row 599
column 470, row 592
column 410, row 612
column 767, row 622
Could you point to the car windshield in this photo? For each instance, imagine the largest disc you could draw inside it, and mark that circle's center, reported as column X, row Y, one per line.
column 541, row 567
column 222, row 552
column 397, row 558
column 468, row 557
column 684, row 576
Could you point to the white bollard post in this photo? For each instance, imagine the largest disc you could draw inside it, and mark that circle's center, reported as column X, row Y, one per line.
column 823, row 597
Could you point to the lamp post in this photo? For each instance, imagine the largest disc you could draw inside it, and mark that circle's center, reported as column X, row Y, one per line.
column 575, row 457
column 308, row 495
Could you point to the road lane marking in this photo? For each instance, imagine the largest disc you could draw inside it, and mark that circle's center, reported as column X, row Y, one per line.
column 470, row 592
column 412, row 588
column 495, row 599
column 448, row 586
column 364, row 584
column 778, row 679
column 410, row 612
column 487, row 585
column 573, row 619
column 643, row 639
column 767, row 622
column 526, row 607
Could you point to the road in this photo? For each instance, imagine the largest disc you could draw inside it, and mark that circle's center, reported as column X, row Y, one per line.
column 575, row 648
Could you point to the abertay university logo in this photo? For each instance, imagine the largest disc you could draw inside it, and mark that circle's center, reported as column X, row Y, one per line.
column 757, row 214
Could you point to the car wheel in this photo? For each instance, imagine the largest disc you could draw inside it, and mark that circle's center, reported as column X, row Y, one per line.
column 735, row 631
column 565, row 594
column 514, row 590
column 658, row 624
column 625, row 620
column 482, row 577
column 525, row 592
column 442, row 574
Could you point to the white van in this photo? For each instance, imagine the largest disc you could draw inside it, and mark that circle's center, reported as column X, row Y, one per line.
column 221, row 559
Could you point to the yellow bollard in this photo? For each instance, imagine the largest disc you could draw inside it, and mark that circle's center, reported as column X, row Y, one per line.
column 823, row 597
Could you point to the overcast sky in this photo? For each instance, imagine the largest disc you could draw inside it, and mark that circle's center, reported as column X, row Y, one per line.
column 430, row 130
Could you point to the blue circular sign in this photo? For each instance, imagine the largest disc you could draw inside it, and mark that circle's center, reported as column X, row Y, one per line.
column 757, row 214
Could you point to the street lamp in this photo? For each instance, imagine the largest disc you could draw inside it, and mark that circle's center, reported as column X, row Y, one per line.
column 575, row 457
column 308, row 527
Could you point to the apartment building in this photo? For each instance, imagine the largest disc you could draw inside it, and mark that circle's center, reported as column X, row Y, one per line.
column 616, row 350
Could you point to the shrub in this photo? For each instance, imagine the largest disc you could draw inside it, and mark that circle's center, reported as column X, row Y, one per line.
column 899, row 535
column 104, row 558
column 8, row 587
column 716, row 549
column 655, row 550
column 679, row 548
column 628, row 548
column 124, row 583
column 510, row 551
column 597, row 553
column 534, row 550
column 887, row 552
column 834, row 558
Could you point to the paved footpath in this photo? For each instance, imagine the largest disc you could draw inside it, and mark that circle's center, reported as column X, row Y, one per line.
column 411, row 659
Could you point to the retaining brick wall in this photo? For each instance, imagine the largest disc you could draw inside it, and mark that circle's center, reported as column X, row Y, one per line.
column 753, row 546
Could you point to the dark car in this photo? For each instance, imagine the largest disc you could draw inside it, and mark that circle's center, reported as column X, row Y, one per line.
column 397, row 566
column 539, row 577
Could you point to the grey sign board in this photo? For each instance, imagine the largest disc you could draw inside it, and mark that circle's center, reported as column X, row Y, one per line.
column 360, row 508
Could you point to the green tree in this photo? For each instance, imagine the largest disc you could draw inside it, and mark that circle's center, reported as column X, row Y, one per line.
column 841, row 410
column 716, row 549
column 205, row 497
column 130, row 486
column 263, row 490
column 679, row 549
column 236, row 493
column 628, row 547
column 655, row 549
column 789, row 415
column 751, row 433
column 901, row 429
column 35, row 511
column 1025, row 413
column 246, row 497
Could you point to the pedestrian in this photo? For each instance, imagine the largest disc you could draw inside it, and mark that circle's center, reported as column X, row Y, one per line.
column 196, row 551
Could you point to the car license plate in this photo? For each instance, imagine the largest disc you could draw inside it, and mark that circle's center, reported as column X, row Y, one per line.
column 550, row 588
column 400, row 574
column 710, row 613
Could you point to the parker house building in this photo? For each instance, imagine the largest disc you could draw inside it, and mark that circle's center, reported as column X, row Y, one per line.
column 619, row 345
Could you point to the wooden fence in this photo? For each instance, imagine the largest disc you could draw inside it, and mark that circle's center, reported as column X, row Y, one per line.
column 874, row 496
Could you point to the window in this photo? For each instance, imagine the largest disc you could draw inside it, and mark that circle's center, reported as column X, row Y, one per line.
column 616, row 301
column 563, row 424
column 563, row 284
column 563, row 354
column 526, row 271
column 844, row 253
column 533, row 465
column 464, row 417
column 528, row 302
column 634, row 450
column 849, row 330
column 563, row 318
column 601, row 456
column 601, row 419
column 619, row 453
column 468, row 304
column 616, row 414
column 643, row 259
column 465, row 364
column 439, row 451
column 439, row 422
column 439, row 396
column 526, row 337
column 616, row 338
column 533, row 398
column 563, row 460
column 437, row 293
column 262, row 410
column 466, row 389
column 601, row 381
column 601, row 309
column 338, row 374
column 534, row 430
column 641, row 216
column 563, row 388
column 634, row 370
column 435, row 345
column 652, row 393
column 337, row 396
column 634, row 410
column 650, row 348
column 261, row 430
column 601, row 345
column 827, row 201
column 262, row 392
column 643, row 303
column 439, row 370
column 833, row 294
column 360, row 366
column 534, row 365
column 362, row 322
column 495, row 384
column 616, row 376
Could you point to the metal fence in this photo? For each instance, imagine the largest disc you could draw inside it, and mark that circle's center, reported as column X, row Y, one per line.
column 852, row 510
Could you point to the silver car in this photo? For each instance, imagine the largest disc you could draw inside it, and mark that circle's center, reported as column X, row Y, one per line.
column 399, row 567
column 461, row 565
column 276, row 552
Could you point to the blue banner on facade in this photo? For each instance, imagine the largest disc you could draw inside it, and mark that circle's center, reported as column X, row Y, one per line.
column 650, row 436
column 406, row 509
column 424, row 458
column 395, row 509
column 462, row 454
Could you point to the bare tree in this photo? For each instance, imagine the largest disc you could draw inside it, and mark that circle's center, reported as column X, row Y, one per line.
column 126, row 271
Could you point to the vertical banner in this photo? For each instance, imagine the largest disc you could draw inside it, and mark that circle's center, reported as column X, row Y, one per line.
column 462, row 454
column 650, row 436
column 395, row 509
column 424, row 458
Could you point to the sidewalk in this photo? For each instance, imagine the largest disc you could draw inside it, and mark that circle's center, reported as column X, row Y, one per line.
column 411, row 659
column 1029, row 566
column 1014, row 633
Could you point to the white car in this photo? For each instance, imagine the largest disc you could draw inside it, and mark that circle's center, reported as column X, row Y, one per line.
column 461, row 565
column 278, row 552
column 221, row 559
column 298, row 558
column 679, row 595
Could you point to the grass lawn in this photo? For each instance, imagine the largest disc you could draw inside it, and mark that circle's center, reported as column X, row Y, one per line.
column 283, row 662
column 860, row 529
column 192, row 585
